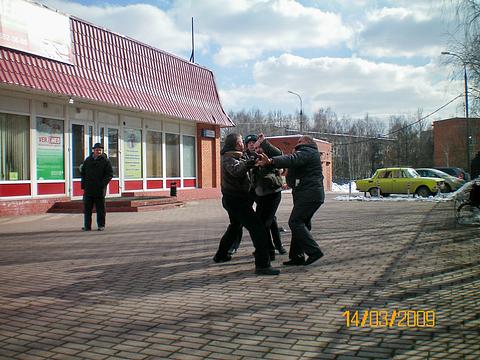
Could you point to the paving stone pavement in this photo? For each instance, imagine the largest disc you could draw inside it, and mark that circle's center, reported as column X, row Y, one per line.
column 147, row 287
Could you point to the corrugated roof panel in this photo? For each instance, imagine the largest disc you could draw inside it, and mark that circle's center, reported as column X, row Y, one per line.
column 114, row 69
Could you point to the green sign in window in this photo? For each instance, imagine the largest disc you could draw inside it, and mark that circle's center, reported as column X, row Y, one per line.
column 50, row 155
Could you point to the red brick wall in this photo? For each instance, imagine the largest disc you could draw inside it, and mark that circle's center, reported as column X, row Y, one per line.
column 287, row 144
column 449, row 141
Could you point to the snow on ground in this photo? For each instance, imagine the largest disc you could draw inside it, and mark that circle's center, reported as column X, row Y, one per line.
column 460, row 195
column 357, row 196
column 344, row 188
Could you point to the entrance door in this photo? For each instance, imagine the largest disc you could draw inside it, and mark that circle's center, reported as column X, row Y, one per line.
column 109, row 139
column 81, row 141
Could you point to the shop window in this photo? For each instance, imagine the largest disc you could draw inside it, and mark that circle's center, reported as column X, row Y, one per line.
column 14, row 147
column 113, row 149
column 154, row 154
column 132, row 153
column 188, row 156
column 50, row 154
column 172, row 142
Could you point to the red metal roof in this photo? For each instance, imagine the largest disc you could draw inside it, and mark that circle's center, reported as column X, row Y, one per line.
column 110, row 68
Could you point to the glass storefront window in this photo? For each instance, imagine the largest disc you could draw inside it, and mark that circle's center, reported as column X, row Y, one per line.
column 188, row 156
column 172, row 142
column 50, row 154
column 14, row 147
column 132, row 153
column 154, row 154
column 113, row 149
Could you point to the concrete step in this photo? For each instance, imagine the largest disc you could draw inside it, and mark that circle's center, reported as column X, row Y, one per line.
column 120, row 205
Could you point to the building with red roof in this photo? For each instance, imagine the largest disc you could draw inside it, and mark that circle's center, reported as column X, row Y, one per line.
column 71, row 84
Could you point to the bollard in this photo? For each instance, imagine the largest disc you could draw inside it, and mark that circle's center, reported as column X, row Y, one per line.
column 173, row 188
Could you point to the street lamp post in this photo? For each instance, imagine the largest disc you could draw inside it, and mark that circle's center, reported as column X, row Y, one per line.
column 465, row 79
column 301, row 110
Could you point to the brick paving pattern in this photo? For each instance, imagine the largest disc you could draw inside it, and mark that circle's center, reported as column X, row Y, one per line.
column 147, row 287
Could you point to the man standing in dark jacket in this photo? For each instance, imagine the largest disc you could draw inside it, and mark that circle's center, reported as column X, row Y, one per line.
column 305, row 178
column 96, row 172
column 237, row 201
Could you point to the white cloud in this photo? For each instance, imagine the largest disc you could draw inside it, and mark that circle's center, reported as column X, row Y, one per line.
column 352, row 86
column 402, row 32
column 146, row 23
column 251, row 27
column 238, row 32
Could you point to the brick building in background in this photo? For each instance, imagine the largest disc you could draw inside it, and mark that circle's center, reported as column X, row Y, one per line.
column 450, row 142
column 66, row 84
column 287, row 144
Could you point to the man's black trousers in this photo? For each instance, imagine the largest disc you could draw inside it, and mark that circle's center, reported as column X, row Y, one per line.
column 300, row 224
column 241, row 213
column 88, row 202
column 266, row 209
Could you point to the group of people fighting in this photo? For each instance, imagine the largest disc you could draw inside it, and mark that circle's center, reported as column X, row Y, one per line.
column 252, row 175
column 248, row 175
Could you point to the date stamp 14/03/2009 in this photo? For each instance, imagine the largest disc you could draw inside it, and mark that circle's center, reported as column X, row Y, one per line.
column 390, row 318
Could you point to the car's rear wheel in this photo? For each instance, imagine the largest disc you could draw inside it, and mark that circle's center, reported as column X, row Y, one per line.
column 423, row 191
column 375, row 192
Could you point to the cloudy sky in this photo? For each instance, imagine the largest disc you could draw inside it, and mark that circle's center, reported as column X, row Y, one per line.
column 380, row 57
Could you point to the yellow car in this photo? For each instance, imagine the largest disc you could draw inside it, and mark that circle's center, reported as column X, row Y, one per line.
column 399, row 180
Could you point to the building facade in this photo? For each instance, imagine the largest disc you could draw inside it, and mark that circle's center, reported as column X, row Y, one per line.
column 450, row 141
column 157, row 115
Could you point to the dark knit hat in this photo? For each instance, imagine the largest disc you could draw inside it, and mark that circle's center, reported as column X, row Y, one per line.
column 249, row 138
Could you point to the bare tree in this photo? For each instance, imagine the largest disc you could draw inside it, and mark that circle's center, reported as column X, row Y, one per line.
column 465, row 42
column 359, row 146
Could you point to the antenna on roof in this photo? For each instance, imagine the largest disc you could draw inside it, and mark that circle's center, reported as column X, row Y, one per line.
column 192, row 56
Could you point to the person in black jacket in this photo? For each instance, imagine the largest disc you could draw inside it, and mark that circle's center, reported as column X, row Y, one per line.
column 96, row 172
column 268, row 183
column 305, row 178
column 266, row 194
column 237, row 201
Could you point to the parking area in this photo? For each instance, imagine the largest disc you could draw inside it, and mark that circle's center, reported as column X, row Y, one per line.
column 147, row 287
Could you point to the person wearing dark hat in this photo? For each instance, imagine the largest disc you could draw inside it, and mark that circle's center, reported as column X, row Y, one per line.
column 267, row 184
column 236, row 199
column 305, row 178
column 266, row 196
column 96, row 172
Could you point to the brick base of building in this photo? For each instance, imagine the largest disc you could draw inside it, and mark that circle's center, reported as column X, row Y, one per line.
column 182, row 195
column 40, row 206
column 28, row 206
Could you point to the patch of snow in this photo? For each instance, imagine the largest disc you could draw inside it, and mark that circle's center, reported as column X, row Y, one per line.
column 344, row 188
column 399, row 197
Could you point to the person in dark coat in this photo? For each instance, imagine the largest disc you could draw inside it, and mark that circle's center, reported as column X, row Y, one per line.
column 305, row 178
column 267, row 183
column 475, row 166
column 266, row 196
column 237, row 201
column 96, row 172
